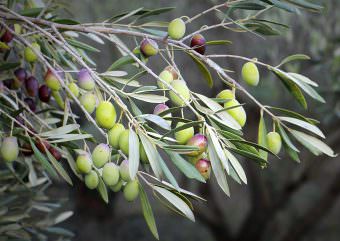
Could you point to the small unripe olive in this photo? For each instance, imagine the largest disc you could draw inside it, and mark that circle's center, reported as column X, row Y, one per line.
column 73, row 87
column 52, row 80
column 91, row 180
column 142, row 154
column 226, row 94
column 84, row 163
column 29, row 55
column 9, row 149
column 176, row 28
column 204, row 167
column 250, row 74
column 274, row 142
column 173, row 71
column 117, row 187
column 238, row 113
column 44, row 93
column 85, row 80
column 198, row 43
column 101, row 154
column 110, row 174
column 181, row 88
column 183, row 136
column 166, row 76
column 89, row 101
column 124, row 141
column 114, row 134
column 131, row 190
column 124, row 171
column 148, row 47
column 106, row 115
column 199, row 141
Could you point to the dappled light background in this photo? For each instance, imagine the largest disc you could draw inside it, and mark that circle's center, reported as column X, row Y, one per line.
column 286, row 201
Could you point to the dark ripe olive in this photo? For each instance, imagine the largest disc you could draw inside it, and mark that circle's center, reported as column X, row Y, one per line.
column 31, row 104
column 32, row 86
column 20, row 74
column 198, row 43
column 42, row 145
column 6, row 37
column 44, row 93
column 55, row 153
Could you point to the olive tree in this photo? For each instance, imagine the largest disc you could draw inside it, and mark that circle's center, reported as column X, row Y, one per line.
column 50, row 84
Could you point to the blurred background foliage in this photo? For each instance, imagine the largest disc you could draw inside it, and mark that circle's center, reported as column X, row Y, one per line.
column 285, row 202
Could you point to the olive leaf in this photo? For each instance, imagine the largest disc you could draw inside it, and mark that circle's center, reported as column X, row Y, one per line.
column 133, row 153
column 147, row 212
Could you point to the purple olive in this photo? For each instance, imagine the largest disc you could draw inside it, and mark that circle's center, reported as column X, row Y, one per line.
column 6, row 37
column 55, row 153
column 199, row 141
column 198, row 43
column 31, row 104
column 20, row 76
column 204, row 167
column 148, row 47
column 44, row 93
column 85, row 80
column 160, row 108
column 32, row 86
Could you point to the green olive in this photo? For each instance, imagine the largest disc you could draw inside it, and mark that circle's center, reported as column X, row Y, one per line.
column 106, row 115
column 114, row 134
column 110, row 174
column 176, row 28
column 131, row 190
column 183, row 136
column 84, row 163
column 124, row 141
column 274, row 142
column 101, row 154
column 9, row 149
column 250, row 74
column 238, row 113
column 182, row 89
column 91, row 180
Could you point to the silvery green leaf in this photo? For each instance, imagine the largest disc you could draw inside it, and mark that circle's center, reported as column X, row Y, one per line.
column 61, row 130
column 133, row 153
column 261, row 137
column 185, row 167
column 152, row 154
column 117, row 73
column 150, row 98
column 62, row 217
column 304, row 79
column 215, row 107
column 147, row 212
column 177, row 202
column 156, row 120
column 313, row 144
column 217, row 168
column 306, row 125
column 218, row 148
column 59, row 168
column 236, row 166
